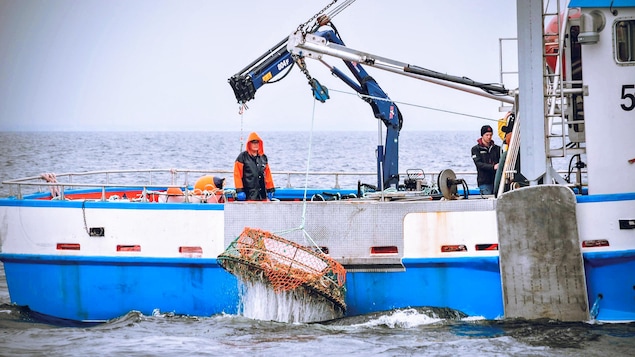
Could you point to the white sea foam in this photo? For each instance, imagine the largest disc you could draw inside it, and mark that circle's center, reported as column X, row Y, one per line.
column 402, row 318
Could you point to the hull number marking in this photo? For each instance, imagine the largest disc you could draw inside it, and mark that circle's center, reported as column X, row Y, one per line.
column 628, row 97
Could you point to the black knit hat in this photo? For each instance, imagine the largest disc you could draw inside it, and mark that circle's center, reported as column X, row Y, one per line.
column 486, row 129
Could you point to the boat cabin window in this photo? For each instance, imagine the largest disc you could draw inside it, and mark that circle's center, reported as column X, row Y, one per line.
column 625, row 41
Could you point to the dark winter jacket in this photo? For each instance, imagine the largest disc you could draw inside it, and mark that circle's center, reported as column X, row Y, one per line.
column 485, row 157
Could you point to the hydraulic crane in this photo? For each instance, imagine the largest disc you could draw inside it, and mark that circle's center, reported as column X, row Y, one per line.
column 324, row 39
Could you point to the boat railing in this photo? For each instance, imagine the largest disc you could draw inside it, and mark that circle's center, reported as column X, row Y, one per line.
column 154, row 179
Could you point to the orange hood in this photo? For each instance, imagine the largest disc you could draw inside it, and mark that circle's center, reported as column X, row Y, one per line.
column 261, row 146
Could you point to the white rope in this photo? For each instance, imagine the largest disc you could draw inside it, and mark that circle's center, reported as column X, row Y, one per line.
column 308, row 166
column 50, row 177
column 306, row 186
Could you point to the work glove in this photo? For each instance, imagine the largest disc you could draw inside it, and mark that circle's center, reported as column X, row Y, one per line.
column 241, row 196
column 270, row 196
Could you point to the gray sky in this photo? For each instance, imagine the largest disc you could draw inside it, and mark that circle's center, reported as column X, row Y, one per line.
column 163, row 64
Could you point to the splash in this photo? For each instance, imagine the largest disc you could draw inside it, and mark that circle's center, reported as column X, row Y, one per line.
column 284, row 281
column 406, row 318
column 259, row 301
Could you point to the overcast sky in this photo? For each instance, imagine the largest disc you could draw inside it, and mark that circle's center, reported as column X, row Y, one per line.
column 163, row 64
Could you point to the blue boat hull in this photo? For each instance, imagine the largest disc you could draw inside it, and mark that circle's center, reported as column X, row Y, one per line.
column 472, row 286
column 610, row 279
column 99, row 289
column 95, row 289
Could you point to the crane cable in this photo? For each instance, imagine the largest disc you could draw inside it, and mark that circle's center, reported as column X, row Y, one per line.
column 301, row 227
column 318, row 15
column 241, row 112
column 366, row 96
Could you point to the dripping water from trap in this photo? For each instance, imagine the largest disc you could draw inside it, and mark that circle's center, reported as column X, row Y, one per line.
column 259, row 301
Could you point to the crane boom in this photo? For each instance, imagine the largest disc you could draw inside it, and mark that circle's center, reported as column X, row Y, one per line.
column 268, row 68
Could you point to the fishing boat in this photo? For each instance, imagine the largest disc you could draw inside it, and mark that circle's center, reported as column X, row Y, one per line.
column 93, row 246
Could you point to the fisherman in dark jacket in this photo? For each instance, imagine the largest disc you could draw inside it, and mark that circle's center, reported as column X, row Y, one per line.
column 252, row 175
column 486, row 155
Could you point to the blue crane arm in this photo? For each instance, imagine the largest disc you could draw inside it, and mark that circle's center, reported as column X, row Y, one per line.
column 383, row 109
column 247, row 81
column 277, row 59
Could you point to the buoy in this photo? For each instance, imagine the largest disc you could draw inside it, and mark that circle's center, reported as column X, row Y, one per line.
column 174, row 191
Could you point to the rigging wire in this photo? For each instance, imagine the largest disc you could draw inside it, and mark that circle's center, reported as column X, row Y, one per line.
column 332, row 13
column 339, row 8
column 365, row 96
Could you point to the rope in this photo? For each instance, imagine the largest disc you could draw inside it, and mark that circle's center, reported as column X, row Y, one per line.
column 306, row 186
column 241, row 111
column 50, row 177
column 308, row 166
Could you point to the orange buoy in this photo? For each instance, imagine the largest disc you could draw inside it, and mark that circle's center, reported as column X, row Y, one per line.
column 174, row 191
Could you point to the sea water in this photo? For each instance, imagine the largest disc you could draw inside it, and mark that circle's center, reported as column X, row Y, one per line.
column 25, row 154
column 421, row 331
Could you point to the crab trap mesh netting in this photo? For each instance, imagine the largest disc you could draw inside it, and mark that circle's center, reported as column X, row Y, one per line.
column 258, row 255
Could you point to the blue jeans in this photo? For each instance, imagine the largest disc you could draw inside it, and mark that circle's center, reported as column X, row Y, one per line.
column 486, row 189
